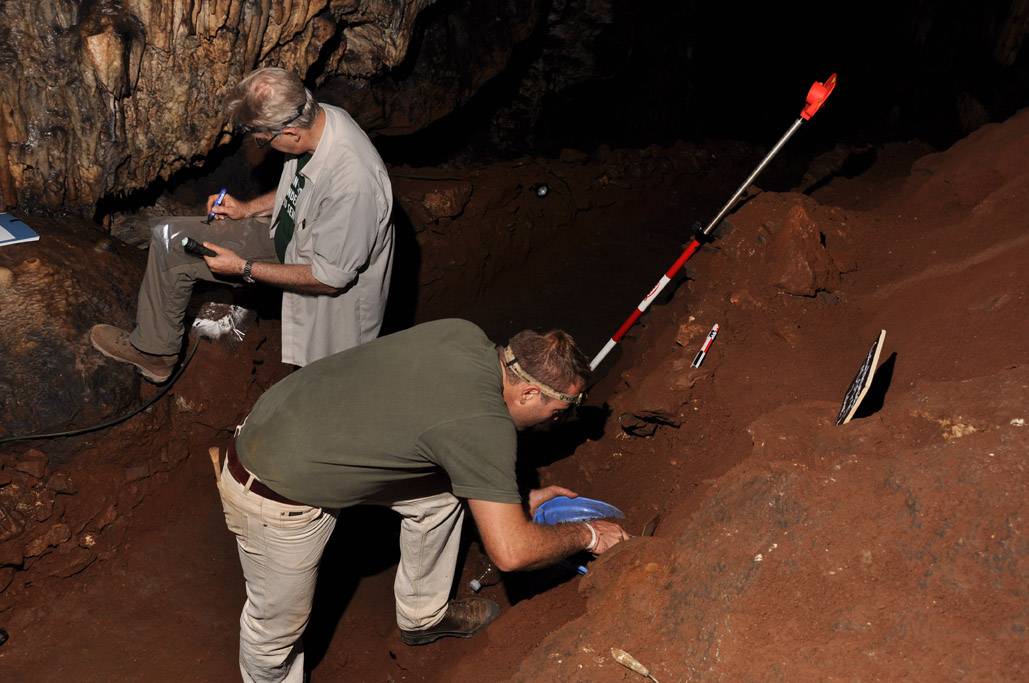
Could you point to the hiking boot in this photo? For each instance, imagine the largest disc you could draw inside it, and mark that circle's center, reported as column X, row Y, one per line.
column 114, row 343
column 463, row 619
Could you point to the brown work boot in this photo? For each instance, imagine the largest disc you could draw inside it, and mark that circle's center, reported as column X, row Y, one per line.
column 463, row 619
column 113, row 342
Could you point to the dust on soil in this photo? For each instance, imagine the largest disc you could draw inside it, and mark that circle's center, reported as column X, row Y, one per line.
column 788, row 547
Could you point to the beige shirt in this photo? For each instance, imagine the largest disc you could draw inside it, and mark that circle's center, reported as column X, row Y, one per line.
column 343, row 230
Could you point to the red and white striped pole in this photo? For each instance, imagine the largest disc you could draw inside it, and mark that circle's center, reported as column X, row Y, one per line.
column 816, row 96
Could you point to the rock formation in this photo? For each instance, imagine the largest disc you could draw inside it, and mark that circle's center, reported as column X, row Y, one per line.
column 105, row 96
column 459, row 50
column 112, row 95
column 50, row 295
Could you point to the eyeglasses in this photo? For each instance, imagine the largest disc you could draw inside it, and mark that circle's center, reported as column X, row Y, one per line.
column 264, row 142
column 275, row 132
column 566, row 414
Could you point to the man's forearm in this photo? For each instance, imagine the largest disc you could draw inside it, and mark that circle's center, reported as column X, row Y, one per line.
column 513, row 542
column 261, row 206
column 295, row 277
column 556, row 543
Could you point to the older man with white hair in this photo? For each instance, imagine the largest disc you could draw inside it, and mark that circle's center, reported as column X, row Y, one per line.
column 324, row 236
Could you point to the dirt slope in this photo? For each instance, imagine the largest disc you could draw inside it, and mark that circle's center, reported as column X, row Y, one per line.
column 791, row 548
column 886, row 550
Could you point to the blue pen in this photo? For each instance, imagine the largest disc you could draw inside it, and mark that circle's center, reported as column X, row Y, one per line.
column 217, row 202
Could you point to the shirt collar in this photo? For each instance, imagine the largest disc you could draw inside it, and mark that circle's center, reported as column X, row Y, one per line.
column 320, row 156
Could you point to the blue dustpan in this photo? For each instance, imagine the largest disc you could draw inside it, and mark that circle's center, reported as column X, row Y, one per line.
column 565, row 509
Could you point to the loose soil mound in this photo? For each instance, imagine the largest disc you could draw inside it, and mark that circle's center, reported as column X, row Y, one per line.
column 887, row 549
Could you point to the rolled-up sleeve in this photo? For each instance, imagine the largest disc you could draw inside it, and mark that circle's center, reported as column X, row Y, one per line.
column 343, row 237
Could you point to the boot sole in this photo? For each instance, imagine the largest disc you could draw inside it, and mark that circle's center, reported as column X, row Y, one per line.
column 431, row 638
column 416, row 638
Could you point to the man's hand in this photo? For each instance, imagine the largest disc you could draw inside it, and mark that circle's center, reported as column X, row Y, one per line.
column 227, row 262
column 229, row 208
column 538, row 497
column 608, row 534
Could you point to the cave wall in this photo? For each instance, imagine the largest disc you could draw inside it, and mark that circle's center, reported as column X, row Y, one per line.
column 537, row 47
column 100, row 98
column 105, row 96
column 462, row 45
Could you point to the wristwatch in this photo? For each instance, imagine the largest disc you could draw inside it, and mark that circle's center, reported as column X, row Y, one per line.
column 247, row 267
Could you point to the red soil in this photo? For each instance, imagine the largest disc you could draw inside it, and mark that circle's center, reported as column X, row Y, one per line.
column 788, row 548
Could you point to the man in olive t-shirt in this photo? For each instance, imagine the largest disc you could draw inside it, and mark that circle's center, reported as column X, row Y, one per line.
column 415, row 421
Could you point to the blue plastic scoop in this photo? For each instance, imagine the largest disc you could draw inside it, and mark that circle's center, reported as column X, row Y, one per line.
column 565, row 509
column 558, row 510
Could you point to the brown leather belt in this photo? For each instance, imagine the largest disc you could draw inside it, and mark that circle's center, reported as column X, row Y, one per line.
column 240, row 474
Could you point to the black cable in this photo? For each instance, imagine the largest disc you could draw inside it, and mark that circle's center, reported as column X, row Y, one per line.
column 117, row 420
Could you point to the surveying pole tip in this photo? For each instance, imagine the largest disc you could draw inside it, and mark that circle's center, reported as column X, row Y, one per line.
column 816, row 97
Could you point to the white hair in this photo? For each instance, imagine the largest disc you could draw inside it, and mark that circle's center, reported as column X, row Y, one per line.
column 269, row 99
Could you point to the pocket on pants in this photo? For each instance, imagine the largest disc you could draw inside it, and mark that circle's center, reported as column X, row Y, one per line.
column 281, row 516
column 235, row 505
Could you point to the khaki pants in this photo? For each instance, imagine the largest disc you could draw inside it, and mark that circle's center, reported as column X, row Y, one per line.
column 170, row 273
column 280, row 547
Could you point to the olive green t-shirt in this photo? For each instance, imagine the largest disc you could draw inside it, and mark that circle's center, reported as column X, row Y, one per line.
column 405, row 416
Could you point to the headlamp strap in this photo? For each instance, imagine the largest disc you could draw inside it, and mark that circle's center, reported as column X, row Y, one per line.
column 510, row 361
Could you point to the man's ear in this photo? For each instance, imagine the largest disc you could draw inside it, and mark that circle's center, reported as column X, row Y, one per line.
column 528, row 392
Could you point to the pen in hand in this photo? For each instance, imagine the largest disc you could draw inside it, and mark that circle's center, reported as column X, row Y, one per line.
column 217, row 202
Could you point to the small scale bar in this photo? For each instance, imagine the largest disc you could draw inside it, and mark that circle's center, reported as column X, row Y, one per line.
column 702, row 354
